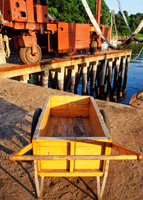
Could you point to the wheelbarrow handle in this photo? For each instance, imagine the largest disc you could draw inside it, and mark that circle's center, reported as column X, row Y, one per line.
column 76, row 157
column 128, row 155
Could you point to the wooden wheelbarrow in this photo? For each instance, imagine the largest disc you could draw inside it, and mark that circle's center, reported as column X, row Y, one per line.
column 70, row 137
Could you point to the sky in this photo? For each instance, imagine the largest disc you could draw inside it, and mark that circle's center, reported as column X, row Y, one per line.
column 131, row 6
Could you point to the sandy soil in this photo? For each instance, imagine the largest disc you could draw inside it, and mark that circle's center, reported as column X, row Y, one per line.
column 18, row 102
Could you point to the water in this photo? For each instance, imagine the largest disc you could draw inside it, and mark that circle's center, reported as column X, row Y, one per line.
column 135, row 75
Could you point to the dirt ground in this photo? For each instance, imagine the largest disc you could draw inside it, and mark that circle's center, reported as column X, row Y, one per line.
column 18, row 102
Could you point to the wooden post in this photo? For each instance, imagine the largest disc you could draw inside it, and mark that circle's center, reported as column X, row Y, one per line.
column 121, row 78
column 45, row 78
column 110, row 65
column 60, row 80
column 54, row 79
column 24, row 78
column 66, row 79
column 84, row 80
column 126, row 75
column 117, row 65
column 78, row 75
column 93, row 78
column 102, row 78
column 72, row 82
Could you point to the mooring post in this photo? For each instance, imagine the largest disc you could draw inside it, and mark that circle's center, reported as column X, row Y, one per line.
column 60, row 78
column 54, row 79
column 72, row 82
column 102, row 78
column 84, row 79
column 45, row 78
column 93, row 78
column 109, row 86
column 116, row 75
column 121, row 77
column 126, row 75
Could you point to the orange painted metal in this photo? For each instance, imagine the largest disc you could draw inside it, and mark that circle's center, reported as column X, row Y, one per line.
column 60, row 37
column 73, row 36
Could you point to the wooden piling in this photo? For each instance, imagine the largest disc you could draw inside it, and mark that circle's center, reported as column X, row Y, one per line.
column 65, row 79
column 102, row 78
column 84, row 80
column 93, row 78
column 78, row 76
column 24, row 78
column 72, row 80
column 54, row 79
column 121, row 77
column 60, row 79
column 45, row 78
column 126, row 75
column 116, row 75
column 109, row 86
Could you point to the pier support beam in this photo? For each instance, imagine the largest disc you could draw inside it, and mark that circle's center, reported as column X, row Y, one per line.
column 54, row 79
column 110, row 67
column 102, row 78
column 77, row 79
column 60, row 79
column 45, row 78
column 84, row 80
column 93, row 78
column 126, row 75
column 121, row 77
column 65, row 79
column 24, row 78
column 72, row 82
column 116, row 75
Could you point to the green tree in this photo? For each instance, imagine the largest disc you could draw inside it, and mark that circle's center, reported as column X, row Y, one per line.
column 73, row 11
column 105, row 12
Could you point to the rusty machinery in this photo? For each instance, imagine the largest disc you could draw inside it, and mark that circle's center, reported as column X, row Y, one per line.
column 28, row 24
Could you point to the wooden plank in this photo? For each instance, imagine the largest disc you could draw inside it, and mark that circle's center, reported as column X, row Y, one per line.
column 88, row 149
column 69, row 174
column 52, row 127
column 70, row 127
column 78, row 128
column 69, row 113
column 95, row 123
column 44, row 124
column 69, row 99
column 87, row 126
column 72, row 152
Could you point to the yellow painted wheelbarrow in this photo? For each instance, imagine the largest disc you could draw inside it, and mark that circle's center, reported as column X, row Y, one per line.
column 70, row 137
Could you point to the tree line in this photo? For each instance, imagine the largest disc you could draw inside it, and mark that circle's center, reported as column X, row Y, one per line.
column 72, row 11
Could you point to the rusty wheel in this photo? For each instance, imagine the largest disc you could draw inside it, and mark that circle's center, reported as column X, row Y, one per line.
column 22, row 55
column 93, row 46
column 27, row 57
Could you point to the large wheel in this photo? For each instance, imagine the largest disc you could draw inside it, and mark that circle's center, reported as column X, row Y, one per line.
column 27, row 56
column 93, row 46
column 106, row 119
column 35, row 121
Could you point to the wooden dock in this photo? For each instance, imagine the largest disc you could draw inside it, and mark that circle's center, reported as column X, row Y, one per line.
column 66, row 72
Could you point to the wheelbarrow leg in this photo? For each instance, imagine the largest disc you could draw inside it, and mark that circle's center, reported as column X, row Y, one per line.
column 100, row 193
column 39, row 188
